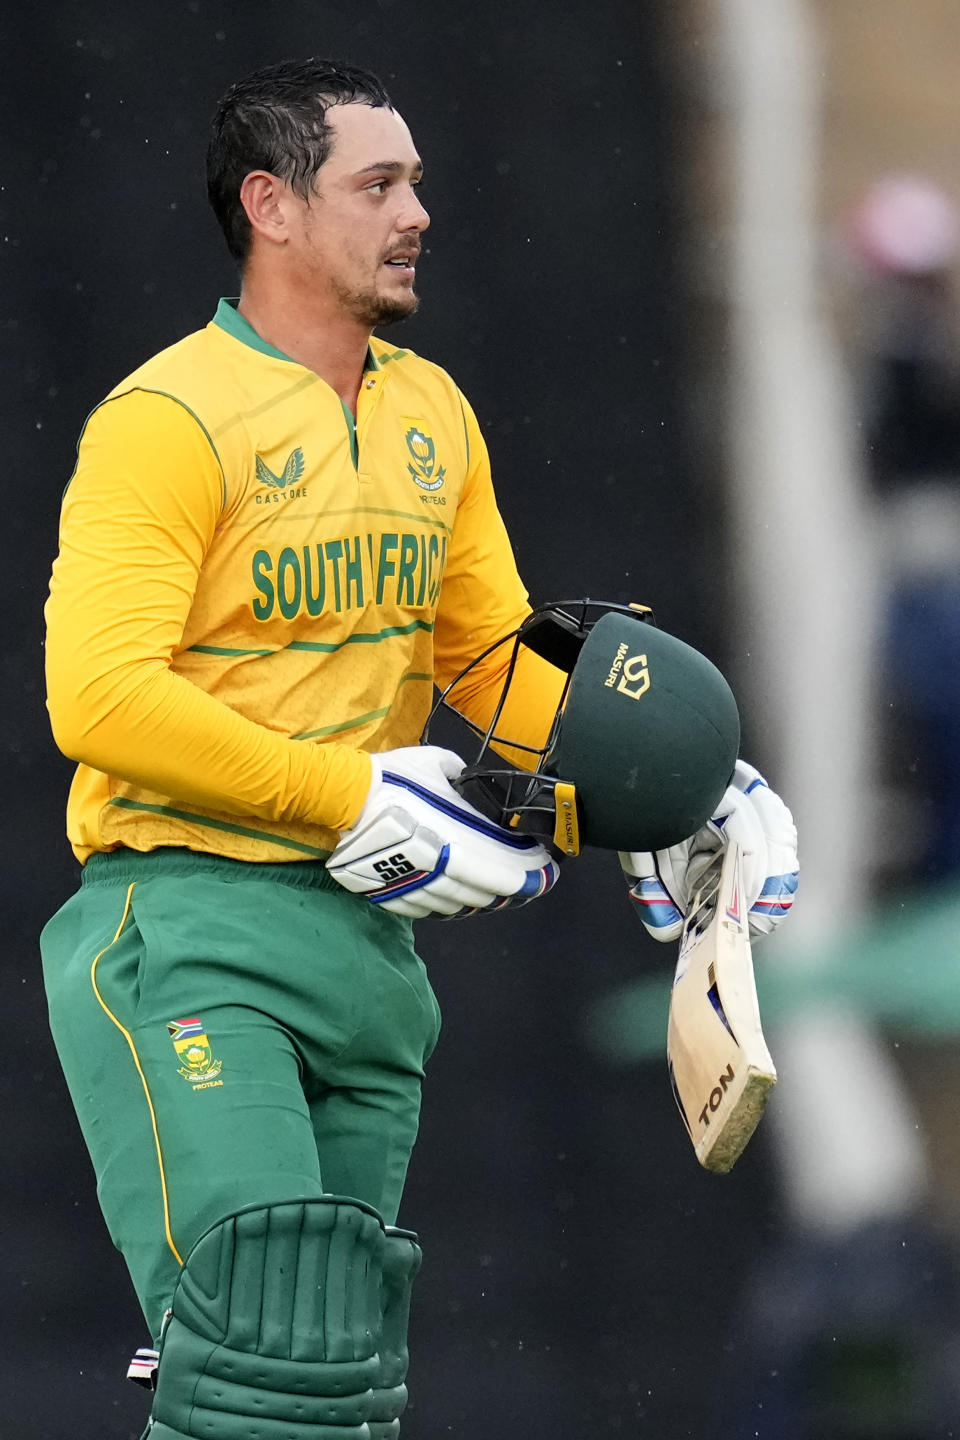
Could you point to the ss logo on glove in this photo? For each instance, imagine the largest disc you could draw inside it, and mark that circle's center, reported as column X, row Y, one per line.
column 394, row 867
column 454, row 860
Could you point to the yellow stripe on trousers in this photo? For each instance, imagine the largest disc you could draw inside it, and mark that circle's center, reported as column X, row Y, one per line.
column 136, row 1060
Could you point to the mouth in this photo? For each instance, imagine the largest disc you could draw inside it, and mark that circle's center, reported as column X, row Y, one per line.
column 403, row 262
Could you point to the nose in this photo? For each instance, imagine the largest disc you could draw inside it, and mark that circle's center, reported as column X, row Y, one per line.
column 414, row 216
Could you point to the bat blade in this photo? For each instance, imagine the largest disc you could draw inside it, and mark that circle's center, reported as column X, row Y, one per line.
column 720, row 1068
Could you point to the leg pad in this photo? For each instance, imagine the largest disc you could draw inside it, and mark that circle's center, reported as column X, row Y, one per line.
column 401, row 1261
column 276, row 1327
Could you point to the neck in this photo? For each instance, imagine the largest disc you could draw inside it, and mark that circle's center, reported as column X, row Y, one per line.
column 308, row 329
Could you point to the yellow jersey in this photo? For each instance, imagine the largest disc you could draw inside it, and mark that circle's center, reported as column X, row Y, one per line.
column 253, row 590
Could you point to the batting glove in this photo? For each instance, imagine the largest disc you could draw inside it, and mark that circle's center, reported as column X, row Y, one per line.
column 418, row 848
column 663, row 883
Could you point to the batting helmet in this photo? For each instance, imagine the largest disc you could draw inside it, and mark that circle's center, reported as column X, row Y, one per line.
column 642, row 745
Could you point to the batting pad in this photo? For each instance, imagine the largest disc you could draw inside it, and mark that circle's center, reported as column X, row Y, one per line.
column 276, row 1326
column 401, row 1261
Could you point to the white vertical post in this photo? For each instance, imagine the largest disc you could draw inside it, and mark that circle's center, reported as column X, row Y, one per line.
column 806, row 578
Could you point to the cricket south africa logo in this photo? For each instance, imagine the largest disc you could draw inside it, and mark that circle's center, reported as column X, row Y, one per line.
column 423, row 452
column 195, row 1053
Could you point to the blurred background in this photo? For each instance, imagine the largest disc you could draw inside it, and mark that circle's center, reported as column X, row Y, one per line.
column 696, row 267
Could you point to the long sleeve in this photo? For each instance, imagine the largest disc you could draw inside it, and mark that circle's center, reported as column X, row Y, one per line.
column 483, row 599
column 138, row 517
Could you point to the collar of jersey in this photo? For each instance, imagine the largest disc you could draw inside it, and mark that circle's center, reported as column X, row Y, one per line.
column 228, row 318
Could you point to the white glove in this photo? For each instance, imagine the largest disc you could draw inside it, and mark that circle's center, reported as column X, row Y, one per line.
column 418, row 848
column 663, row 884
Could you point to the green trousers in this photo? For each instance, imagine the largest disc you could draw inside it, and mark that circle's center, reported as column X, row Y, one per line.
column 232, row 1035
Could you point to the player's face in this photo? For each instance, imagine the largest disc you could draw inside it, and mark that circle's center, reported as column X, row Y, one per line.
column 360, row 233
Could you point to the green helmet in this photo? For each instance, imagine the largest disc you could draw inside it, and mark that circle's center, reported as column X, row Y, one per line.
column 643, row 742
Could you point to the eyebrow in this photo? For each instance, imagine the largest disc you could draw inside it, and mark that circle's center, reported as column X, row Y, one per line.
column 391, row 167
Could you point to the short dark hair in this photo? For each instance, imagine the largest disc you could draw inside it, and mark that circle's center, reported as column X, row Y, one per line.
column 275, row 120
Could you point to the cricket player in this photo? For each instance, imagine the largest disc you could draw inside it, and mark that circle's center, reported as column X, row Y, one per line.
column 280, row 535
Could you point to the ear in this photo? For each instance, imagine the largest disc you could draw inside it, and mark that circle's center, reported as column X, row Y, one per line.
column 263, row 198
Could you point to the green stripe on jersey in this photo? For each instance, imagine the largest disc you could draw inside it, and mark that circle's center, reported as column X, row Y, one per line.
column 342, row 725
column 361, row 638
column 398, row 514
column 122, row 803
column 466, row 432
column 321, row 647
column 359, row 720
column 225, row 650
column 304, row 383
column 165, row 394
column 393, row 514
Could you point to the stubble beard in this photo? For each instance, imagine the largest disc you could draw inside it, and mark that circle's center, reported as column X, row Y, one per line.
column 370, row 308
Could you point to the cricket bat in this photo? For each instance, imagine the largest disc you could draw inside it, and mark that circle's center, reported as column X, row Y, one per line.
column 720, row 1068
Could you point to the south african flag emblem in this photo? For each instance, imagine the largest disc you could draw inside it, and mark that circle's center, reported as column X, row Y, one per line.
column 194, row 1051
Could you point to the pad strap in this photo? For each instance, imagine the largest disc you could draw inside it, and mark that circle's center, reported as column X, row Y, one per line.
column 275, row 1327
